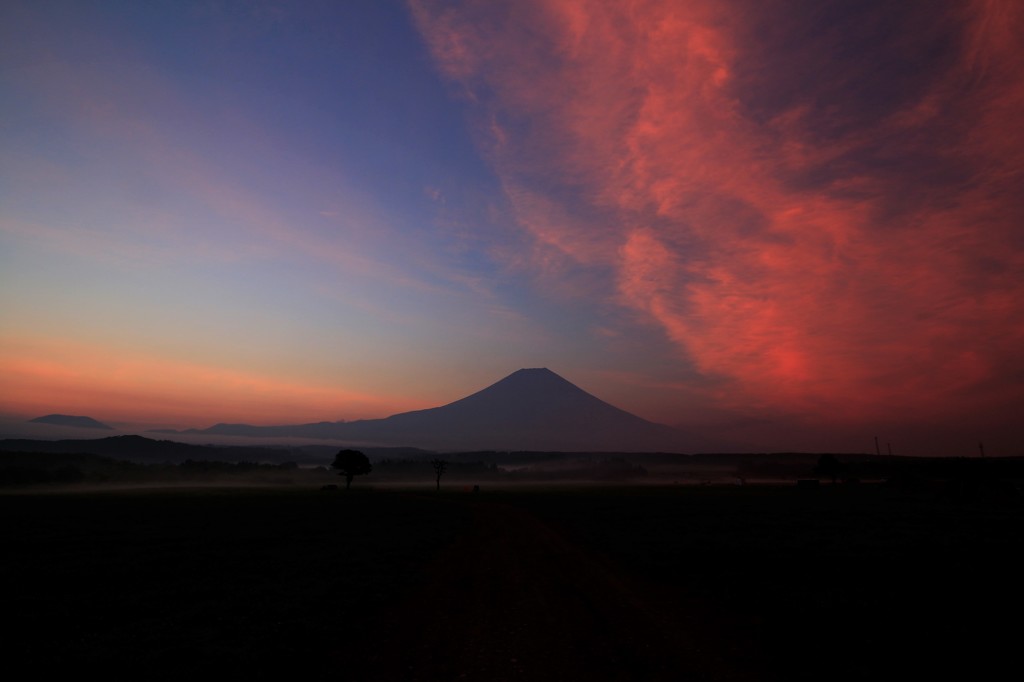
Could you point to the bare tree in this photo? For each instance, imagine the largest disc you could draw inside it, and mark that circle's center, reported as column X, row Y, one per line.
column 440, row 466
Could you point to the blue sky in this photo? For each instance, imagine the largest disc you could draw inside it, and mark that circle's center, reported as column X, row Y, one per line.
column 794, row 226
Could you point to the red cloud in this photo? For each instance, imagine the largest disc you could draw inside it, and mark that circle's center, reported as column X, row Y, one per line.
column 842, row 242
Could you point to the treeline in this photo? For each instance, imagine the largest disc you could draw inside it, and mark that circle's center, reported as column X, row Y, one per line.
column 148, row 451
column 915, row 470
column 27, row 468
column 54, row 468
column 513, row 467
column 415, row 469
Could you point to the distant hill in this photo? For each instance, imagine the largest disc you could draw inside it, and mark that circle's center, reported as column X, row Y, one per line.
column 324, row 430
column 531, row 409
column 140, row 449
column 69, row 420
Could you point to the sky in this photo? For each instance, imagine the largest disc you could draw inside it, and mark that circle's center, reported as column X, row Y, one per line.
column 789, row 224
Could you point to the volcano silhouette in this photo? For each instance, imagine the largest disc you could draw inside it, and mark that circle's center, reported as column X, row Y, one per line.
column 531, row 409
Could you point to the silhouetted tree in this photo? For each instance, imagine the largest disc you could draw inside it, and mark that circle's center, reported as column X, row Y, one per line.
column 351, row 463
column 440, row 466
column 829, row 466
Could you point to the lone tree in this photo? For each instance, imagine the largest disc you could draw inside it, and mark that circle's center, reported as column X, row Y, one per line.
column 830, row 466
column 351, row 463
column 440, row 466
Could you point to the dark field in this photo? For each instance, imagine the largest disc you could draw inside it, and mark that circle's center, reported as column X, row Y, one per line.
column 716, row 582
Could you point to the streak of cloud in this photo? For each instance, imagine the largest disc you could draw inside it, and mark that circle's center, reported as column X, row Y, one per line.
column 818, row 203
column 42, row 374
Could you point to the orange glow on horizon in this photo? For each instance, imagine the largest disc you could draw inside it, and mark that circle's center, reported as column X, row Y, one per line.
column 43, row 376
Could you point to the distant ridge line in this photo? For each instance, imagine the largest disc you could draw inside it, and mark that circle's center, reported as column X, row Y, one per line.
column 71, row 420
column 531, row 409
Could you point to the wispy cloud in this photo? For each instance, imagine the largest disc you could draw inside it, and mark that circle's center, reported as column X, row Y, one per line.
column 839, row 239
column 203, row 180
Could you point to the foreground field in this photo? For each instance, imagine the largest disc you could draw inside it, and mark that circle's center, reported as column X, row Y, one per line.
column 600, row 583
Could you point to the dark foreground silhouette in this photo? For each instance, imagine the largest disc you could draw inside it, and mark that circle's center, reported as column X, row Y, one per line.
column 718, row 582
column 351, row 463
column 515, row 599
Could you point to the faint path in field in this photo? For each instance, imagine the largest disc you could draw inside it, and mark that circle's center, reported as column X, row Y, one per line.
column 513, row 600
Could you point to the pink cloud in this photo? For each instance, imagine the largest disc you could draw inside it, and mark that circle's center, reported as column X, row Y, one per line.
column 850, row 252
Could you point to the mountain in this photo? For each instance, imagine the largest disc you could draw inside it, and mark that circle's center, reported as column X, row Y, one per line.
column 531, row 409
column 325, row 430
column 68, row 420
column 132, row 448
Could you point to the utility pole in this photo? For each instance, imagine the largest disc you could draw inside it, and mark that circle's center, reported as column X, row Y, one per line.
column 889, row 446
column 981, row 449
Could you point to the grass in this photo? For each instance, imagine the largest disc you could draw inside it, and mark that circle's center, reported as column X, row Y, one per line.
column 261, row 580
column 243, row 579
column 858, row 581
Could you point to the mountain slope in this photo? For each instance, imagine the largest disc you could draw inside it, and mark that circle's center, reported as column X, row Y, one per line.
column 531, row 409
column 69, row 420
